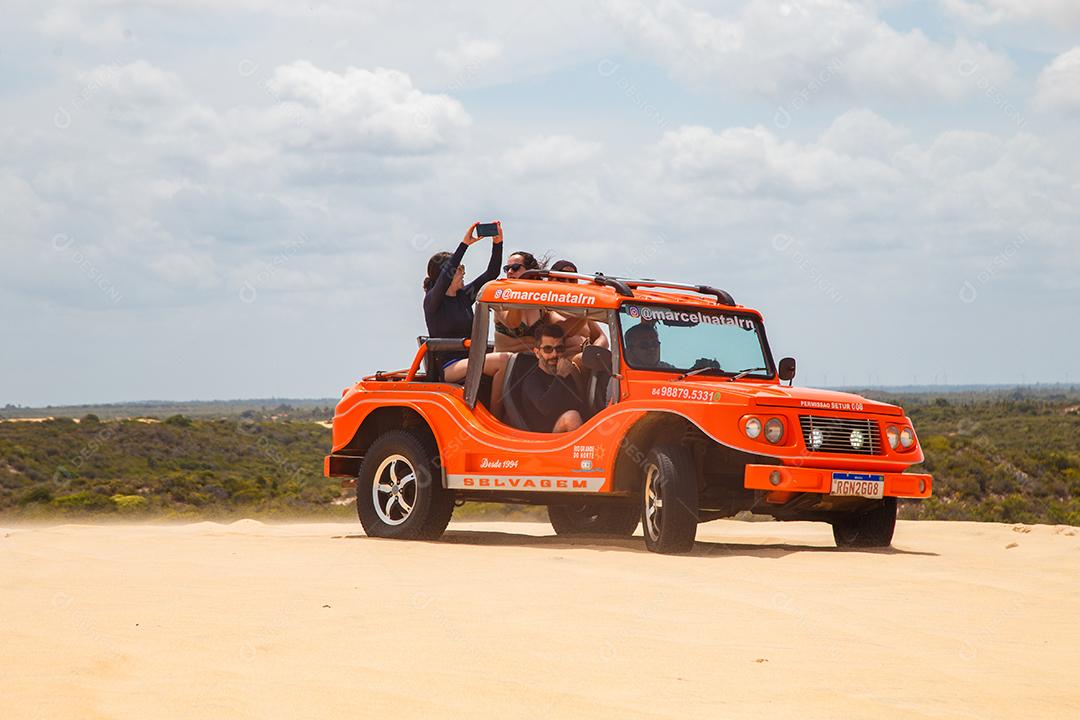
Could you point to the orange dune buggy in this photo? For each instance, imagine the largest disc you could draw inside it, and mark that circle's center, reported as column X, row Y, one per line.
column 693, row 425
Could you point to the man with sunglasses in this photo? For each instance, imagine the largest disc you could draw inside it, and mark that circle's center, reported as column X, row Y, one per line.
column 549, row 397
column 642, row 343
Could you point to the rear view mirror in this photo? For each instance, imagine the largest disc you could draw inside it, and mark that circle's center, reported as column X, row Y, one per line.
column 787, row 369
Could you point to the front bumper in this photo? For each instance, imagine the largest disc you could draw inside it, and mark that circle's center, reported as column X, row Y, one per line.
column 817, row 480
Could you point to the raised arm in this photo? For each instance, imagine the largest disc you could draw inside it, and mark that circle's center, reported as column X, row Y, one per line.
column 493, row 268
column 596, row 335
column 571, row 325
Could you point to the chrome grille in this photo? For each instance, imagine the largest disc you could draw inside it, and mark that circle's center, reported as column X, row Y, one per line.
column 836, row 434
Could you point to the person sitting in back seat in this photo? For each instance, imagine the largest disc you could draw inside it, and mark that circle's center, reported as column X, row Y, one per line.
column 580, row 331
column 515, row 328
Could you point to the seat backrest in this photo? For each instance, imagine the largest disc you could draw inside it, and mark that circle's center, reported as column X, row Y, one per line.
column 438, row 350
column 597, row 361
column 519, row 365
column 432, row 362
column 435, row 357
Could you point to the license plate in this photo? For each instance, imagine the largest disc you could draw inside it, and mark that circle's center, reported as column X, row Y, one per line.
column 858, row 485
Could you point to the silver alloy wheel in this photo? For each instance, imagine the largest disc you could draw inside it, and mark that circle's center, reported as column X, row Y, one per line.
column 394, row 490
column 654, row 504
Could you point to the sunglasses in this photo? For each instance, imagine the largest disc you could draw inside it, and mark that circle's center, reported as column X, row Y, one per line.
column 557, row 349
column 512, row 268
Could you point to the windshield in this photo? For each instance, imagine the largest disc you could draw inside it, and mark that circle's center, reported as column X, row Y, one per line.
column 659, row 337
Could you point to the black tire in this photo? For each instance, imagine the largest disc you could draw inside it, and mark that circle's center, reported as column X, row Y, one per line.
column 597, row 519
column 873, row 528
column 669, row 476
column 403, row 455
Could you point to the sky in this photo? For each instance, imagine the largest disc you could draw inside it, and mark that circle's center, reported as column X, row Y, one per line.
column 237, row 199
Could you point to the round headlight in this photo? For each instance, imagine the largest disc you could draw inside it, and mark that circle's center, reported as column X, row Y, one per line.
column 817, row 438
column 893, row 436
column 857, row 438
column 774, row 430
column 907, row 437
column 753, row 428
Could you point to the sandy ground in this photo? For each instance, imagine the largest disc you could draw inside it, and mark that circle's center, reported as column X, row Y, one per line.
column 763, row 620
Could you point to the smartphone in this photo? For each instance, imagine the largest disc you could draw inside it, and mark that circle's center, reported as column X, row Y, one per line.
column 490, row 229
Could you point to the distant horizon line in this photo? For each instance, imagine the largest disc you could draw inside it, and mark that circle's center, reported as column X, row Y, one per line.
column 941, row 388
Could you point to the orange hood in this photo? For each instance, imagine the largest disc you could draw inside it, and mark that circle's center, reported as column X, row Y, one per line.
column 806, row 399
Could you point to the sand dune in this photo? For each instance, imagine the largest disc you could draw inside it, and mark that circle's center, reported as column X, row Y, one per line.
column 763, row 620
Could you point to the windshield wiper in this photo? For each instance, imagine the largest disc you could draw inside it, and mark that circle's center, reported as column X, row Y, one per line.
column 698, row 371
column 743, row 373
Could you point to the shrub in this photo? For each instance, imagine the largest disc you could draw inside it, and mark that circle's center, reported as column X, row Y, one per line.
column 37, row 494
column 129, row 503
column 82, row 501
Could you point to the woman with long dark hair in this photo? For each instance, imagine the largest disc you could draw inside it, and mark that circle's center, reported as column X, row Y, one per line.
column 448, row 309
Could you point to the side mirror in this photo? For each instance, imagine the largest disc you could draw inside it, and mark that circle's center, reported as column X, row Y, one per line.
column 787, row 369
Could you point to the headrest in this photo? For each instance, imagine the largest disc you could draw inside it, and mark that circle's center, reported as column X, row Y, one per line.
column 596, row 358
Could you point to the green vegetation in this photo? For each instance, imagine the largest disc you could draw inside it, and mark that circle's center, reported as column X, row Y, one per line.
column 180, row 467
column 318, row 409
column 1006, row 456
column 1010, row 457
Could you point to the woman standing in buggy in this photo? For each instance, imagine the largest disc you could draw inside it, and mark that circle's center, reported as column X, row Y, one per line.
column 448, row 308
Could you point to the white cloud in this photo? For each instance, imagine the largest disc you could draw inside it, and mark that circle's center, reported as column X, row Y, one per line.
column 64, row 23
column 189, row 271
column 827, row 45
column 548, row 154
column 1058, row 86
column 138, row 81
column 307, row 120
column 176, row 199
column 22, row 211
column 470, row 56
column 865, row 133
column 963, row 189
column 755, row 162
column 376, row 111
column 133, row 92
column 997, row 12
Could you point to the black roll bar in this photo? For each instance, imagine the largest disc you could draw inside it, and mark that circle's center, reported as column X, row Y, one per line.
column 598, row 278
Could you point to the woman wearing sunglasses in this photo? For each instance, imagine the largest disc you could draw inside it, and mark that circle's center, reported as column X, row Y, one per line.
column 514, row 329
column 448, row 309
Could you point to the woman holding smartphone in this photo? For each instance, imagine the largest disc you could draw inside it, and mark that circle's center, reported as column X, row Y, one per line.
column 448, row 308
